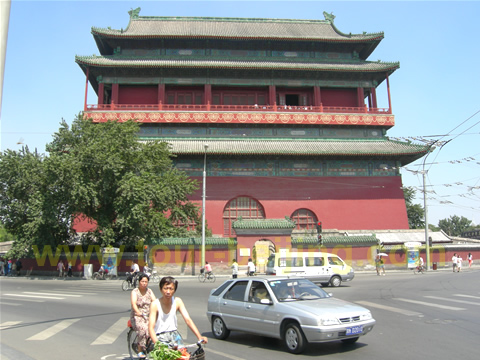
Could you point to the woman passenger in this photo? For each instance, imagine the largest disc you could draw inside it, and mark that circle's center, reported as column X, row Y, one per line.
column 141, row 299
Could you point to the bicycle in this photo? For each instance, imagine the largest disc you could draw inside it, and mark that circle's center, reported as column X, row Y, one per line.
column 102, row 275
column 196, row 354
column 130, row 282
column 419, row 270
column 152, row 275
column 203, row 276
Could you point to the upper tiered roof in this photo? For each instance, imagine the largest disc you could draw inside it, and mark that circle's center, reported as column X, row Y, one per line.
column 159, row 27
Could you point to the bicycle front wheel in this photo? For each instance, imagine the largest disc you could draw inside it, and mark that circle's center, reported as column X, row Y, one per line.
column 125, row 285
column 201, row 278
column 211, row 278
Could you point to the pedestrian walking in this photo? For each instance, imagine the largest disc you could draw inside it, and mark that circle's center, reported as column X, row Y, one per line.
column 2, row 265
column 234, row 269
column 18, row 266
column 459, row 263
column 60, row 268
column 470, row 260
column 454, row 262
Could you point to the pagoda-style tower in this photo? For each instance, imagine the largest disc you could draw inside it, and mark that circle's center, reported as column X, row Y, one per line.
column 288, row 109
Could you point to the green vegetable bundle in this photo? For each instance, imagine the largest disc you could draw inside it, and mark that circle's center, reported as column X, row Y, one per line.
column 163, row 352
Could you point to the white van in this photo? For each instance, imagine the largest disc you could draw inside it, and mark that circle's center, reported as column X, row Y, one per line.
column 320, row 268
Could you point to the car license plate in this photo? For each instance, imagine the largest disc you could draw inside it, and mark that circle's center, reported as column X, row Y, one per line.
column 354, row 330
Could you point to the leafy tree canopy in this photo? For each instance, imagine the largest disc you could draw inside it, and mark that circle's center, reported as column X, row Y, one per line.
column 127, row 188
column 455, row 225
column 415, row 212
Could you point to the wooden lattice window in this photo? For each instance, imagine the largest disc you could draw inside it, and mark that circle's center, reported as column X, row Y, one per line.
column 305, row 219
column 244, row 207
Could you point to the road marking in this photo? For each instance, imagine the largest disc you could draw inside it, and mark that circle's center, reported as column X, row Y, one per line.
column 467, row 296
column 430, row 304
column 7, row 303
column 389, row 308
column 29, row 300
column 36, row 296
column 8, row 324
column 223, row 355
column 53, row 330
column 453, row 300
column 50, row 294
column 112, row 334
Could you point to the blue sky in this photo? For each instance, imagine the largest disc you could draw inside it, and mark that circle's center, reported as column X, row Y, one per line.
column 435, row 92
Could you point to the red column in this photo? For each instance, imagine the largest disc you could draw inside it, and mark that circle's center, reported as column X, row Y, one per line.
column 161, row 93
column 86, row 90
column 389, row 99
column 207, row 93
column 317, row 96
column 101, row 93
column 272, row 95
column 373, row 92
column 115, row 88
column 360, row 97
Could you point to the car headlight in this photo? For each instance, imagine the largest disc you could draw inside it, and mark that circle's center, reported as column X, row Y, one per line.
column 366, row 316
column 328, row 320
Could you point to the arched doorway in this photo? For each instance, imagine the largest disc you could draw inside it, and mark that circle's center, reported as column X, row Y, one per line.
column 262, row 250
column 242, row 206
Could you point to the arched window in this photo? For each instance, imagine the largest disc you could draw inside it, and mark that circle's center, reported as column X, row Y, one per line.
column 244, row 207
column 305, row 219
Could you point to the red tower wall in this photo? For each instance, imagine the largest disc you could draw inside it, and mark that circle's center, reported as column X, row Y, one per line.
column 359, row 203
column 339, row 97
column 138, row 95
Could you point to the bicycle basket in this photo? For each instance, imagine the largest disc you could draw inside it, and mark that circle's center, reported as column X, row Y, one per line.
column 202, row 270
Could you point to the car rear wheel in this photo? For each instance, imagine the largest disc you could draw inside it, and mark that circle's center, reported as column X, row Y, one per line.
column 294, row 338
column 350, row 341
column 335, row 281
column 219, row 329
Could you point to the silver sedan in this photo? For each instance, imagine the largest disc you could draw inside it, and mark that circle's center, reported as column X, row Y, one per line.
column 292, row 309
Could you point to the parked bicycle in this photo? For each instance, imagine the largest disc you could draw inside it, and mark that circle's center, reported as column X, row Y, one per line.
column 102, row 275
column 206, row 276
column 131, row 281
column 197, row 353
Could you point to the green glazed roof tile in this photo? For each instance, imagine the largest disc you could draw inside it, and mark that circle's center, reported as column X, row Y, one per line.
column 233, row 28
column 285, row 223
column 232, row 63
column 294, row 147
column 336, row 240
column 195, row 241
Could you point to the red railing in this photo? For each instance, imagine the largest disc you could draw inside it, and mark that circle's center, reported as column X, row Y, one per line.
column 236, row 108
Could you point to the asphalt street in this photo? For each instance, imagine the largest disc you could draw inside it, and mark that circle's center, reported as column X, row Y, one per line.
column 432, row 316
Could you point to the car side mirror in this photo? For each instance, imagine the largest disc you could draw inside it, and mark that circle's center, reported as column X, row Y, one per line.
column 266, row 302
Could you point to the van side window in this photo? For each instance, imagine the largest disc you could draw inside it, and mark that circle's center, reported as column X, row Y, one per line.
column 335, row 261
column 290, row 262
column 314, row 261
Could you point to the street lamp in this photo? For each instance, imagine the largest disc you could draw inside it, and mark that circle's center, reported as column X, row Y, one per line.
column 202, row 260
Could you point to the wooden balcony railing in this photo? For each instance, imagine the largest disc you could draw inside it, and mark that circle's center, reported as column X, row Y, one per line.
column 237, row 108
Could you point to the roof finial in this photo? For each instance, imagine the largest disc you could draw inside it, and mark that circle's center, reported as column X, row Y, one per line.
column 329, row 17
column 134, row 13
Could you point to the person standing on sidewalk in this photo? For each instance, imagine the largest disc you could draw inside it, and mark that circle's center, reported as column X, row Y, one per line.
column 459, row 263
column 234, row 269
column 60, row 268
column 454, row 262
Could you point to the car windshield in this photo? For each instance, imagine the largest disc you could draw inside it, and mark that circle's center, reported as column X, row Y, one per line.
column 296, row 289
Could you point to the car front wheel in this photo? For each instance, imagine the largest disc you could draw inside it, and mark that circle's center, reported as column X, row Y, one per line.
column 335, row 281
column 219, row 329
column 294, row 339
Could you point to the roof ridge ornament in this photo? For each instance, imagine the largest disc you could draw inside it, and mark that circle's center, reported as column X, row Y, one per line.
column 134, row 14
column 329, row 17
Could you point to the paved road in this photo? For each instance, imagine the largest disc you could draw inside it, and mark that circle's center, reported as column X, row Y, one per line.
column 431, row 316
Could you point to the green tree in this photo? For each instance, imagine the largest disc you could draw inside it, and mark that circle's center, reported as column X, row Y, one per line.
column 415, row 212
column 128, row 187
column 34, row 200
column 455, row 225
column 5, row 235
